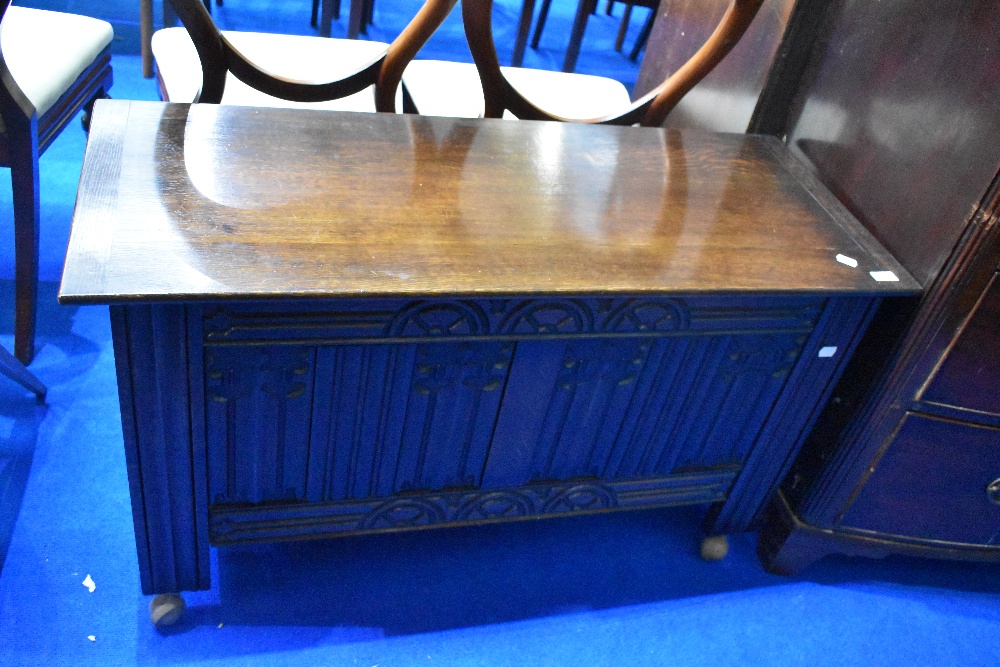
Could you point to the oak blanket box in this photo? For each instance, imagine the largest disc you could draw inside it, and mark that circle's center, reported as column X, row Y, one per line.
column 340, row 322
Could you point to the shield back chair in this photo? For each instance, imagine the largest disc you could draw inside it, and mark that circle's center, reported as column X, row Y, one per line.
column 200, row 63
column 52, row 64
column 493, row 91
column 444, row 88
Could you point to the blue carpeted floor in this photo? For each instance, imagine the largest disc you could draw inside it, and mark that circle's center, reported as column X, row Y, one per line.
column 625, row 589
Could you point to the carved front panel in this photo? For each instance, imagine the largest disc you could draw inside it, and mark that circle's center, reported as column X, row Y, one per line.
column 633, row 408
column 392, row 418
column 290, row 423
column 392, row 319
column 259, row 402
column 372, row 399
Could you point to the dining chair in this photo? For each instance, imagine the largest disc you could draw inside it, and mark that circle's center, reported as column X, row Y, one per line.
column 52, row 64
column 200, row 63
column 542, row 95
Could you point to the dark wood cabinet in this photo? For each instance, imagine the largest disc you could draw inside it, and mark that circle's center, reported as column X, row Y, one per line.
column 917, row 469
column 895, row 106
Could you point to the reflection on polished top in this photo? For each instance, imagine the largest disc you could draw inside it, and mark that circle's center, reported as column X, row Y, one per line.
column 182, row 202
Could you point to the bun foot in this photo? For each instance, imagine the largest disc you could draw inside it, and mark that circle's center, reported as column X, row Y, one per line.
column 714, row 547
column 166, row 609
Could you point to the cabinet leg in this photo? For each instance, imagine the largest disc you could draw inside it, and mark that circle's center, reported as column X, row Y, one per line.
column 714, row 547
column 786, row 545
column 166, row 609
column 164, row 444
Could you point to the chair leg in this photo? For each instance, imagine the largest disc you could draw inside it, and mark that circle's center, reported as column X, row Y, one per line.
column 523, row 28
column 583, row 11
column 24, row 178
column 623, row 28
column 369, row 14
column 640, row 41
column 543, row 13
column 314, row 17
column 329, row 10
column 88, row 109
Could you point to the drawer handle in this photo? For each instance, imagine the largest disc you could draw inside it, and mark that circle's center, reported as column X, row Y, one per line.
column 993, row 491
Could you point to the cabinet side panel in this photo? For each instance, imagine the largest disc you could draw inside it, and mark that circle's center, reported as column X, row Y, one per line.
column 165, row 457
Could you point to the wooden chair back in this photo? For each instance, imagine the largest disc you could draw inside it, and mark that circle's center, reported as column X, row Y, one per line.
column 218, row 57
column 650, row 110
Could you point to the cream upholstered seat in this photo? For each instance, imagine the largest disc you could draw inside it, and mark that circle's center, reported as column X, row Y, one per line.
column 47, row 51
column 52, row 65
column 440, row 88
column 293, row 56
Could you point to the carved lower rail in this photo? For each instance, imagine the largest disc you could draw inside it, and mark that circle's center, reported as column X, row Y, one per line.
column 251, row 523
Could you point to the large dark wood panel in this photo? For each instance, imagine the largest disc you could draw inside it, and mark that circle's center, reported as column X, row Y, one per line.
column 899, row 113
column 725, row 100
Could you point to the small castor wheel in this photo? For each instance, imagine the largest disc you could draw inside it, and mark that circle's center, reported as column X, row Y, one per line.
column 714, row 547
column 166, row 609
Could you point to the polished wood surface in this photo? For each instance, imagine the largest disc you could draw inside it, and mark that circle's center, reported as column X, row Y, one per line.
column 227, row 202
column 724, row 101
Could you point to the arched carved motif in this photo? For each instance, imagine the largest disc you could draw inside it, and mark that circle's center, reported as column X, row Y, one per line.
column 548, row 316
column 440, row 318
column 407, row 513
column 581, row 498
column 498, row 505
column 647, row 316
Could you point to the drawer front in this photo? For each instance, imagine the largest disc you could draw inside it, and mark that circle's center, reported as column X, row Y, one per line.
column 969, row 376
column 937, row 481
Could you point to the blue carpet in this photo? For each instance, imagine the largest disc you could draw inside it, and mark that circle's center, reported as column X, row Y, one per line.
column 601, row 590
